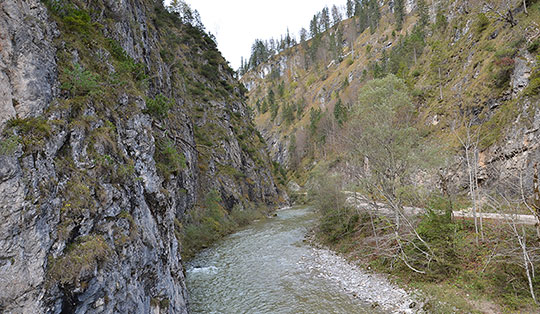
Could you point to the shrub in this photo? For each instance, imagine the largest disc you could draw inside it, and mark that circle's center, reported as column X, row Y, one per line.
column 75, row 20
column 9, row 145
column 506, row 52
column 80, row 82
column 78, row 21
column 32, row 131
column 168, row 159
column 78, row 198
column 439, row 232
column 338, row 219
column 533, row 46
column 206, row 224
column 534, row 84
column 482, row 23
column 505, row 67
column 159, row 106
column 243, row 216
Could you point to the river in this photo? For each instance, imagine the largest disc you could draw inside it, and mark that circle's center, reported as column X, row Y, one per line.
column 268, row 268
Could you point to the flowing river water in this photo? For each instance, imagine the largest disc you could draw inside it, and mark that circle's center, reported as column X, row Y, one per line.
column 268, row 268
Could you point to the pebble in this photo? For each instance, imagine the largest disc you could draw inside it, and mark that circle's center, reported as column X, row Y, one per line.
column 373, row 288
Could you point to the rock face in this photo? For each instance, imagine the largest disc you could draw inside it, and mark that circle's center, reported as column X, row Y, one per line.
column 27, row 63
column 94, row 178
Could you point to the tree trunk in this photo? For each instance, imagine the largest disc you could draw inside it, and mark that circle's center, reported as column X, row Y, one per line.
column 440, row 84
column 527, row 262
column 471, row 190
column 476, row 196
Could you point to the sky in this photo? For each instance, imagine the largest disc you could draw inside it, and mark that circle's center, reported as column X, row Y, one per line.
column 237, row 23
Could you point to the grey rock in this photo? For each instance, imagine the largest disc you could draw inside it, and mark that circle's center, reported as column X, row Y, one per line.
column 135, row 216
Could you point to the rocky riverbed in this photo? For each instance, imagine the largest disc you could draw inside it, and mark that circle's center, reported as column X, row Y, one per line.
column 373, row 288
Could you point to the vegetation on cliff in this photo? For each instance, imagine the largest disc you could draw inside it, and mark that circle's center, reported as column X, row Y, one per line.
column 146, row 142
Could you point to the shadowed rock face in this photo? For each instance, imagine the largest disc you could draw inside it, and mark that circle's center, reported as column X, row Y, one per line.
column 87, row 220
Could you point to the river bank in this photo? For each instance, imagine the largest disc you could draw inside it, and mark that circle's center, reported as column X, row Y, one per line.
column 270, row 267
column 373, row 288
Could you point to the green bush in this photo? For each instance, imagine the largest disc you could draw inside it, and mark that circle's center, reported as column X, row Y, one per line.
column 338, row 220
column 78, row 198
column 33, row 132
column 80, row 82
column 482, row 23
column 76, row 20
column 9, row 145
column 159, row 106
column 168, row 159
column 534, row 84
column 243, row 216
column 439, row 232
column 533, row 46
column 206, row 224
column 503, row 73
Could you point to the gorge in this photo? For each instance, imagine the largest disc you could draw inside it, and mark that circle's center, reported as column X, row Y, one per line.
column 131, row 153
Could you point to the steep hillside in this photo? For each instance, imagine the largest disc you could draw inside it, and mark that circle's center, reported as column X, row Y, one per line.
column 469, row 65
column 395, row 120
column 118, row 121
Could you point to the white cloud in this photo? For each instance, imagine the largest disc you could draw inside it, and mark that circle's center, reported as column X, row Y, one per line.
column 237, row 23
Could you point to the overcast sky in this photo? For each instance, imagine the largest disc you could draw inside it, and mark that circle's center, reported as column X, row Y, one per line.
column 237, row 23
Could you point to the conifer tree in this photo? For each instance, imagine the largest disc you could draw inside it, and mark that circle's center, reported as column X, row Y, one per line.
column 399, row 13
column 303, row 35
column 336, row 15
column 422, row 12
column 358, row 6
column 350, row 8
column 314, row 26
column 340, row 112
column 374, row 14
column 325, row 19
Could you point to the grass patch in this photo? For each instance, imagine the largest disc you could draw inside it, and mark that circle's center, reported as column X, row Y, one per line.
column 33, row 133
column 168, row 160
column 9, row 145
column 79, row 261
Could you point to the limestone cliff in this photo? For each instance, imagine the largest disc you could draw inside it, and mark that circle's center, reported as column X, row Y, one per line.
column 115, row 118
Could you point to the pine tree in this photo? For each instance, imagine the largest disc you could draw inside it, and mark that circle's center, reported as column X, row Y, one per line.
column 325, row 19
column 374, row 14
column 303, row 35
column 271, row 97
column 350, row 8
column 336, row 15
column 422, row 12
column 314, row 26
column 340, row 112
column 242, row 69
column 363, row 20
column 259, row 53
column 358, row 6
column 399, row 13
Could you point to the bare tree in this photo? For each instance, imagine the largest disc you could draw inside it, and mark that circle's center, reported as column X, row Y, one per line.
column 504, row 11
column 469, row 142
column 520, row 250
